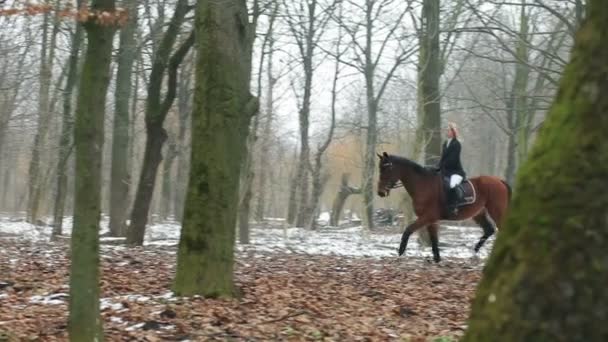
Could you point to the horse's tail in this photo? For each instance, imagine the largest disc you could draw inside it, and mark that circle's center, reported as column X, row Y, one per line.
column 508, row 188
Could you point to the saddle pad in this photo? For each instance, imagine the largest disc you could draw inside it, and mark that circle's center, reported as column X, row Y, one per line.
column 470, row 195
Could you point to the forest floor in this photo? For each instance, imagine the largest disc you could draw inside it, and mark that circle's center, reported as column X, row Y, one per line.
column 285, row 294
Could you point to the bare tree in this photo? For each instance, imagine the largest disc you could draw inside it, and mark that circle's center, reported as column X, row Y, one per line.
column 65, row 142
column 120, row 176
column 271, row 81
column 369, row 58
column 308, row 22
column 248, row 168
column 47, row 58
column 156, row 112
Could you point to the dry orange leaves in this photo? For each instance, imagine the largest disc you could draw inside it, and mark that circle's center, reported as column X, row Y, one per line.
column 284, row 297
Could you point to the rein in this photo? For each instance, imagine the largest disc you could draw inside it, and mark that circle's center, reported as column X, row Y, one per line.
column 397, row 185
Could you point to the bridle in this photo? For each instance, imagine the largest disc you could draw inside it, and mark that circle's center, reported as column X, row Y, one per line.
column 388, row 166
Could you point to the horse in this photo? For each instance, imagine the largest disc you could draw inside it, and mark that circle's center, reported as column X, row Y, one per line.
column 487, row 206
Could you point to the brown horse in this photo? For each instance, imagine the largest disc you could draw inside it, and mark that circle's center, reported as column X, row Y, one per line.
column 425, row 186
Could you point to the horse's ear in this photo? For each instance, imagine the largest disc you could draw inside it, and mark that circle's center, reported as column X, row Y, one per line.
column 385, row 154
column 379, row 156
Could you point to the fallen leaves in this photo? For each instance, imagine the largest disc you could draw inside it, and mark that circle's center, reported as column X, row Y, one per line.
column 284, row 297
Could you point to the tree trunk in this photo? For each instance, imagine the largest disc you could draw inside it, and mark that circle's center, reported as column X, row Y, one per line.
column 522, row 74
column 545, row 278
column 120, row 175
column 511, row 159
column 166, row 190
column 267, row 131
column 318, row 184
column 319, row 180
column 84, row 318
column 369, row 158
column 304, row 166
column 184, row 109
column 292, row 202
column 156, row 112
column 430, row 72
column 65, row 142
column 248, row 165
column 341, row 197
column 35, row 183
column 245, row 204
column 222, row 111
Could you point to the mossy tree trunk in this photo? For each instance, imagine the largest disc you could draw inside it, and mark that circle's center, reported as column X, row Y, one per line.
column 546, row 277
column 223, row 107
column 65, row 142
column 157, row 108
column 120, row 175
column 84, row 319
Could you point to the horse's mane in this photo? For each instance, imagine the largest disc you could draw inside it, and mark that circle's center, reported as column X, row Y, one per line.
column 412, row 164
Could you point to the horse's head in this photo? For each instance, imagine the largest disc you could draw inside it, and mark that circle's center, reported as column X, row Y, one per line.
column 388, row 175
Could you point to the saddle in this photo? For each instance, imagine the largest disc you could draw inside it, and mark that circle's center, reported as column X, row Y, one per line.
column 465, row 192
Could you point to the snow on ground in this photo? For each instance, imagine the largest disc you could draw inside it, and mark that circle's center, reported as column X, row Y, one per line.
column 455, row 241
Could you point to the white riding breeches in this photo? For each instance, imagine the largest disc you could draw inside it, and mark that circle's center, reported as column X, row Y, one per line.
column 455, row 180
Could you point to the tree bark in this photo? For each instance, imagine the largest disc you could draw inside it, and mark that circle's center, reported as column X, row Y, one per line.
column 319, row 180
column 303, row 181
column 166, row 190
column 269, row 114
column 84, row 318
column 248, row 165
column 430, row 70
column 546, row 276
column 184, row 105
column 223, row 107
column 156, row 112
column 120, row 175
column 65, row 142
column 35, row 179
column 522, row 75
column 341, row 197
column 369, row 158
column 292, row 201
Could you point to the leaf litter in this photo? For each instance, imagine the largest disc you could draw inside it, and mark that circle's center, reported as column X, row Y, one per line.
column 283, row 296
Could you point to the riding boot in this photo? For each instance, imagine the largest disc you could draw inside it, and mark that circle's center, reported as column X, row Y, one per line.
column 453, row 202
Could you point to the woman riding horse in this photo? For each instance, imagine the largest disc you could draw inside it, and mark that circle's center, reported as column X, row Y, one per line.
column 451, row 168
column 487, row 209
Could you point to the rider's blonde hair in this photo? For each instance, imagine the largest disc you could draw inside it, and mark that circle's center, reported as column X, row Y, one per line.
column 452, row 126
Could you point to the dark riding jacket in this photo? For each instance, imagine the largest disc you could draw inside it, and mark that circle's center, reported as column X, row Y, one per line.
column 450, row 159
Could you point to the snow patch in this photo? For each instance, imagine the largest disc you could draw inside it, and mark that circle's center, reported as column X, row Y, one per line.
column 54, row 299
column 135, row 327
column 118, row 320
column 107, row 303
column 455, row 241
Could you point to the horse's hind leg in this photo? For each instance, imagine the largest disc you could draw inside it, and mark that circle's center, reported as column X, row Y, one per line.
column 433, row 233
column 485, row 221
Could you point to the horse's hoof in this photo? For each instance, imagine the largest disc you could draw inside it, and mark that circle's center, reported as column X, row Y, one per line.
column 437, row 260
column 400, row 251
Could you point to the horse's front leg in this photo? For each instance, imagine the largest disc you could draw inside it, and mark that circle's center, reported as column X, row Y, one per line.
column 434, row 235
column 409, row 231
